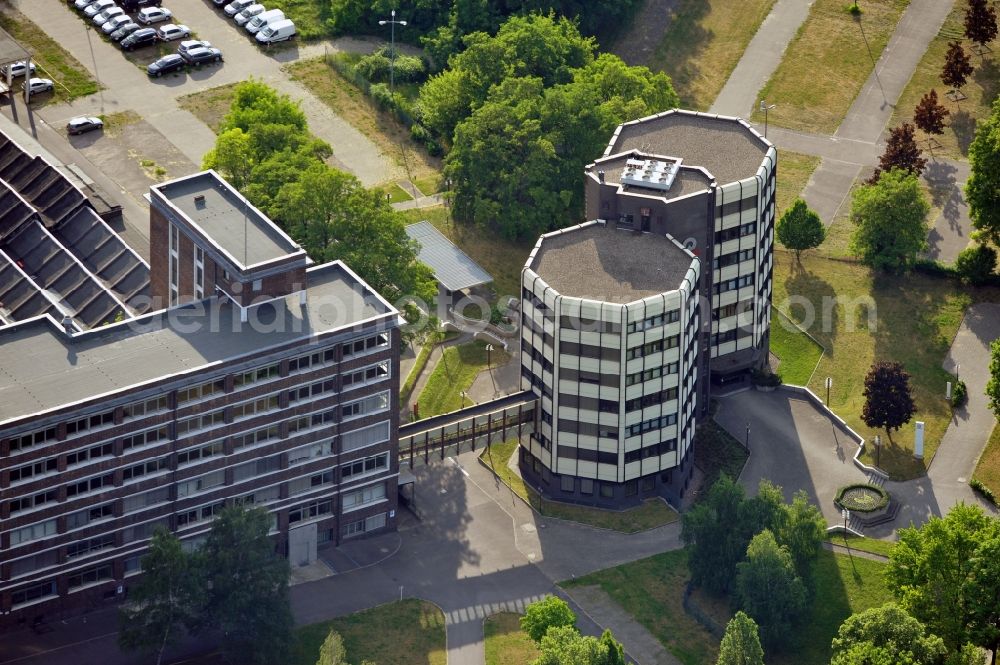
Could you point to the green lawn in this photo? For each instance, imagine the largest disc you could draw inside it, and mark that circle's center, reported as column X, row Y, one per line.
column 652, row 589
column 397, row 193
column 796, row 351
column 651, row 513
column 826, row 64
column 501, row 258
column 309, row 16
column 454, row 373
column 71, row 79
column 702, row 44
column 981, row 89
column 506, row 643
column 988, row 469
column 916, row 318
column 211, row 105
column 794, row 171
column 409, row 631
column 872, row 545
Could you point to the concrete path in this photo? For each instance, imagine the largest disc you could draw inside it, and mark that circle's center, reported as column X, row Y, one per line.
column 642, row 645
column 872, row 108
column 432, row 362
column 128, row 88
column 761, row 57
column 947, row 480
column 791, row 444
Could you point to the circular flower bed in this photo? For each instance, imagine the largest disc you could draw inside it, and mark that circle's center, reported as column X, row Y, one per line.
column 862, row 498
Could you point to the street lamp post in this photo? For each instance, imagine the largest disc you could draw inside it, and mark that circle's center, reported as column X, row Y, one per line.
column 489, row 366
column 747, row 445
column 846, row 514
column 878, row 449
column 540, row 499
column 392, row 41
column 829, row 384
column 463, row 393
column 764, row 108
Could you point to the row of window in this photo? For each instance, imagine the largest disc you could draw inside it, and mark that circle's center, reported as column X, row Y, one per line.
column 672, row 316
column 650, row 374
column 729, row 336
column 732, row 284
column 655, row 450
column 650, row 348
column 590, row 351
column 652, row 424
column 588, row 429
column 586, row 455
column 652, row 399
column 736, row 232
column 739, row 205
column 732, row 258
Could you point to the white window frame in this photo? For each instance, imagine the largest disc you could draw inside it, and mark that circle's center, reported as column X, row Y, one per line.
column 173, row 264
column 199, row 273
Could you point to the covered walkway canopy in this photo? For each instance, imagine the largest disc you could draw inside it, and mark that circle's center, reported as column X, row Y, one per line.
column 453, row 269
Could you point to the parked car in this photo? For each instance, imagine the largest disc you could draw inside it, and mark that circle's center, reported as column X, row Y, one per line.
column 189, row 44
column 248, row 13
column 170, row 32
column 255, row 24
column 36, row 85
column 151, row 15
column 124, row 31
column 220, row 3
column 136, row 5
column 139, row 38
column 17, row 68
column 83, row 4
column 165, row 65
column 115, row 22
column 83, row 124
column 278, row 31
column 108, row 14
column 201, row 55
column 95, row 8
column 236, row 6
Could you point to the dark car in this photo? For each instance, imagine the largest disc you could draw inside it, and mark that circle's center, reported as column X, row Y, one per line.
column 124, row 31
column 136, row 5
column 221, row 3
column 197, row 56
column 139, row 38
column 165, row 65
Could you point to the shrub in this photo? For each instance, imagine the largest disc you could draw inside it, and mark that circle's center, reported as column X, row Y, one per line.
column 862, row 498
column 547, row 613
column 959, row 395
column 975, row 265
column 376, row 66
column 987, row 493
column 761, row 377
column 853, row 9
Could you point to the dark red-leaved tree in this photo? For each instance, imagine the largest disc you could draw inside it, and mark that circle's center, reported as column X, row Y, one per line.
column 929, row 115
column 980, row 23
column 957, row 66
column 888, row 402
column 901, row 152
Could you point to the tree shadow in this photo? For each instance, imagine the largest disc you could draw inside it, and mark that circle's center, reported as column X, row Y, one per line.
column 987, row 77
column 813, row 305
column 964, row 127
column 681, row 44
column 945, row 192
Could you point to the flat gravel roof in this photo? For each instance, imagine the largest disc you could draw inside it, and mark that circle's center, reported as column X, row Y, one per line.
column 726, row 147
column 41, row 368
column 226, row 217
column 600, row 262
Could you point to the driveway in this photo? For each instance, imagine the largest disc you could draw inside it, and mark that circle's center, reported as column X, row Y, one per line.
column 128, row 88
column 793, row 445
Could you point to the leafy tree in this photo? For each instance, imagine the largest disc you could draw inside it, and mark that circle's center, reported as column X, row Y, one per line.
column 802, row 531
column 957, row 66
column 800, row 228
column 888, row 400
column 712, row 531
column 247, row 582
column 563, row 645
column 741, row 643
column 976, row 264
column 768, row 589
column 332, row 651
column 980, row 22
column 982, row 190
column 164, row 601
column 901, row 152
column 890, row 630
column 940, row 574
column 929, row 115
column 334, row 217
column 891, row 221
column 993, row 385
column 544, row 614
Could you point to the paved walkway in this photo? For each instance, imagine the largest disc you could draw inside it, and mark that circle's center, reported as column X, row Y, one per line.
column 642, row 645
column 762, row 56
column 128, row 88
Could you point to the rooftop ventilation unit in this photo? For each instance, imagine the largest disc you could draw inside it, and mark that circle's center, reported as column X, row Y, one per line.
column 650, row 173
column 199, row 201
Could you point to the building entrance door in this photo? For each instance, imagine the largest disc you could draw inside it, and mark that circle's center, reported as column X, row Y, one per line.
column 302, row 545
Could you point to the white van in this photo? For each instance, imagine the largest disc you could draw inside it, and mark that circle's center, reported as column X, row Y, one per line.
column 260, row 20
column 277, row 31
